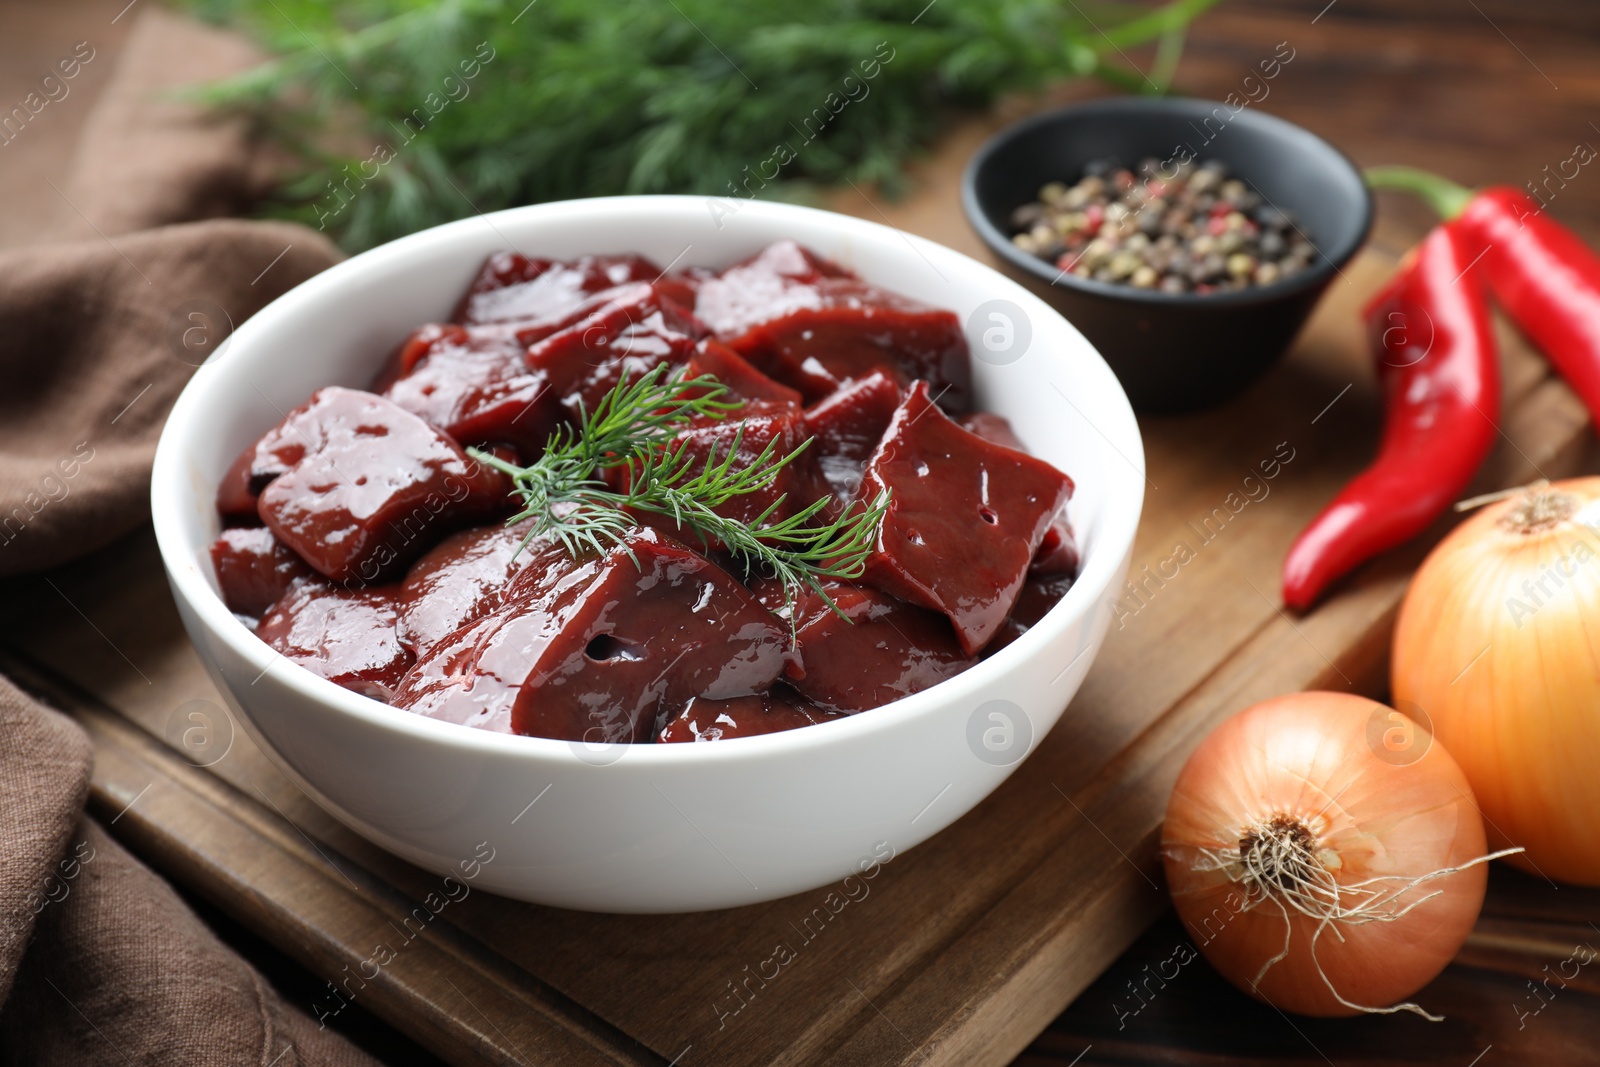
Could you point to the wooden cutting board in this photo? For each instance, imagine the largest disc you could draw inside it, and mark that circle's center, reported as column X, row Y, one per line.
column 965, row 947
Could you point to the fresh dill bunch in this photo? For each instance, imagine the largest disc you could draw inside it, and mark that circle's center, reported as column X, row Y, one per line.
column 634, row 425
column 444, row 108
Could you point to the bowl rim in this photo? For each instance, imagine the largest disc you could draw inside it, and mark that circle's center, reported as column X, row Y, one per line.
column 170, row 477
column 1323, row 267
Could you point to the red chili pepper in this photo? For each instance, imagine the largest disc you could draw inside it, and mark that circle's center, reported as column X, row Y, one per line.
column 1429, row 330
column 1543, row 274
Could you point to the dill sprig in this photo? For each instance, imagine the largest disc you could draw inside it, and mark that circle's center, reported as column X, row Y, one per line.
column 635, row 426
column 572, row 98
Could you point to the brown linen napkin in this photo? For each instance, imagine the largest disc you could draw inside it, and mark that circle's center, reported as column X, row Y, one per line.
column 147, row 156
column 101, row 330
column 100, row 961
column 96, row 340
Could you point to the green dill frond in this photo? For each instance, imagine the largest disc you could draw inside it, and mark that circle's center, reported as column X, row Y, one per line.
column 408, row 113
column 633, row 426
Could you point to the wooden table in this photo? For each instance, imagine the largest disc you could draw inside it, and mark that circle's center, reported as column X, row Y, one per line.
column 972, row 943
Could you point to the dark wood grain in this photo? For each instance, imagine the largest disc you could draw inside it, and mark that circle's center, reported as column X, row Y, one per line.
column 971, row 943
column 1485, row 92
column 1198, row 1019
column 307, row 894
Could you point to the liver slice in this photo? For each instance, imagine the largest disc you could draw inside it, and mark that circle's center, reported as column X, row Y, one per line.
column 279, row 449
column 511, row 287
column 465, row 577
column 479, row 390
column 631, row 329
column 1058, row 552
column 344, row 635
column 965, row 518
column 1040, row 593
column 373, row 487
column 254, row 569
column 881, row 650
column 847, row 427
column 814, row 326
column 604, row 650
column 704, row 719
column 734, row 371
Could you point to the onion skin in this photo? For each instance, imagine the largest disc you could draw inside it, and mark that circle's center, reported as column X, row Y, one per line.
column 1307, row 756
column 1523, row 719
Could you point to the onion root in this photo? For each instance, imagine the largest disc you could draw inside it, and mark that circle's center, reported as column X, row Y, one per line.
column 1277, row 862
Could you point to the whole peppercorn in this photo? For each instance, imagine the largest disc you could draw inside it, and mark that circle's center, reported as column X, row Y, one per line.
column 1175, row 227
column 1124, row 264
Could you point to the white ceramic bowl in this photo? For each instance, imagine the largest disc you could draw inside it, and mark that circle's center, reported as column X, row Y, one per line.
column 650, row 828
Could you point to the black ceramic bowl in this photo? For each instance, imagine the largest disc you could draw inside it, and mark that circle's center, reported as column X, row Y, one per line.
column 1183, row 351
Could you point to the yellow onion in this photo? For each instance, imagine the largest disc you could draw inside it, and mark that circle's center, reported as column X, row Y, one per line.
column 1498, row 643
column 1319, row 865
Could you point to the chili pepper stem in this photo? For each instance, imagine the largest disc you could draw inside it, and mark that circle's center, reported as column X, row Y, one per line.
column 1443, row 195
